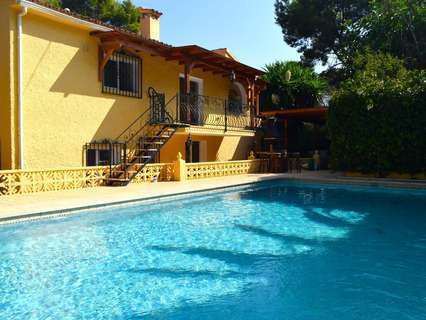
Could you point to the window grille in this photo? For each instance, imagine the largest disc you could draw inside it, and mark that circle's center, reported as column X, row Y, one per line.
column 122, row 76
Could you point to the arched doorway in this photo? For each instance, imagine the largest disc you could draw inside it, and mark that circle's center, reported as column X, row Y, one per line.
column 237, row 98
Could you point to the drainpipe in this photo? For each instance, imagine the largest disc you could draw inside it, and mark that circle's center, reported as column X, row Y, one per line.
column 22, row 12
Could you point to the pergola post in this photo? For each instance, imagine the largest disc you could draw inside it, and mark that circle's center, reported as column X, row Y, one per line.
column 189, row 65
column 187, row 75
column 257, row 99
column 285, row 134
column 251, row 100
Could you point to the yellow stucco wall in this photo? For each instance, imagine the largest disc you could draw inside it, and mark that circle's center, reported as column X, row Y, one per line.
column 219, row 148
column 7, row 86
column 64, row 106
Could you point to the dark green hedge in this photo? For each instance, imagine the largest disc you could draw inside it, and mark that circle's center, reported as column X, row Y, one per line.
column 380, row 134
column 377, row 119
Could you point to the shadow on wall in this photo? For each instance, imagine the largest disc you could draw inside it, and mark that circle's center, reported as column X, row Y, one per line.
column 73, row 58
column 235, row 148
column 79, row 77
column 62, row 91
column 244, row 146
column 111, row 113
column 37, row 68
column 102, row 116
column 219, row 148
column 68, row 54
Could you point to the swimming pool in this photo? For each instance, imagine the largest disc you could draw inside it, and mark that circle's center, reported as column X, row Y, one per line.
column 276, row 250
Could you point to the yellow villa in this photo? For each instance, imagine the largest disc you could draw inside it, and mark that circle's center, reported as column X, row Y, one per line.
column 77, row 92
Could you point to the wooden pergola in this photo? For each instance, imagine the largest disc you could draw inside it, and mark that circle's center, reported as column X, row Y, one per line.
column 309, row 114
column 191, row 57
column 315, row 115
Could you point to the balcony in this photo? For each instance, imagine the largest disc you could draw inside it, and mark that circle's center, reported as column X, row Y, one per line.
column 202, row 111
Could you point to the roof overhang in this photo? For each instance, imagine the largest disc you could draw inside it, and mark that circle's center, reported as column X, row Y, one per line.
column 197, row 56
column 313, row 114
column 132, row 42
column 114, row 37
column 212, row 61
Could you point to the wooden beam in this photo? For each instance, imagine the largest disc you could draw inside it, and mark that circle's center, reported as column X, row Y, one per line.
column 189, row 65
column 257, row 96
column 104, row 54
column 286, row 134
column 175, row 56
column 213, row 60
column 138, row 46
column 307, row 114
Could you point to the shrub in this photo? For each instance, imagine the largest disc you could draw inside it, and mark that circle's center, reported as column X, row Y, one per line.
column 377, row 120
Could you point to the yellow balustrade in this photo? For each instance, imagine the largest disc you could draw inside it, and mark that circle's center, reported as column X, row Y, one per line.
column 160, row 171
column 29, row 181
column 224, row 168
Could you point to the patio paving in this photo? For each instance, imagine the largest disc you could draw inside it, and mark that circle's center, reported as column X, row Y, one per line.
column 60, row 202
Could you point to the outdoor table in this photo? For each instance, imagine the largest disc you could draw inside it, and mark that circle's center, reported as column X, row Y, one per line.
column 276, row 163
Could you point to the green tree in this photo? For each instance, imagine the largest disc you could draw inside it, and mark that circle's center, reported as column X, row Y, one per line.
column 321, row 29
column 296, row 84
column 397, row 27
column 333, row 31
column 54, row 3
column 92, row 8
column 122, row 14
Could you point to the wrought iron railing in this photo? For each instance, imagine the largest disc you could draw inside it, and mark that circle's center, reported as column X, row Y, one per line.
column 181, row 109
column 122, row 150
column 202, row 110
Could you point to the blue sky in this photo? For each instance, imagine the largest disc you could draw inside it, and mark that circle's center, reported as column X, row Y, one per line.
column 246, row 27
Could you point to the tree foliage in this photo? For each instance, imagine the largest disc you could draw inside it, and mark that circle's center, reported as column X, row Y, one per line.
column 54, row 3
column 321, row 28
column 397, row 27
column 335, row 30
column 377, row 120
column 122, row 14
column 295, row 84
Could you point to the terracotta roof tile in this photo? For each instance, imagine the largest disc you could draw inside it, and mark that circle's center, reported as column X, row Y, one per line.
column 151, row 12
column 138, row 36
column 95, row 21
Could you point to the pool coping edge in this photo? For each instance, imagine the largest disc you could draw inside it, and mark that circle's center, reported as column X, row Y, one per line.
column 98, row 206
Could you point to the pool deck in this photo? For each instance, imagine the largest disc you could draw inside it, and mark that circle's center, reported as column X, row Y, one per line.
column 60, row 202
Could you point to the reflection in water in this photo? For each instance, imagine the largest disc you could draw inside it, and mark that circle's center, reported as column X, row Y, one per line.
column 278, row 251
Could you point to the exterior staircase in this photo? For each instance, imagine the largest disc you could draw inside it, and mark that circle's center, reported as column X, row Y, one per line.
column 143, row 140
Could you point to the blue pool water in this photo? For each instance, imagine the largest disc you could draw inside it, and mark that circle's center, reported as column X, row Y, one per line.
column 271, row 251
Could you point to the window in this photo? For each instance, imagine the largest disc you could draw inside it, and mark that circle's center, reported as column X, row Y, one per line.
column 97, row 156
column 122, row 76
